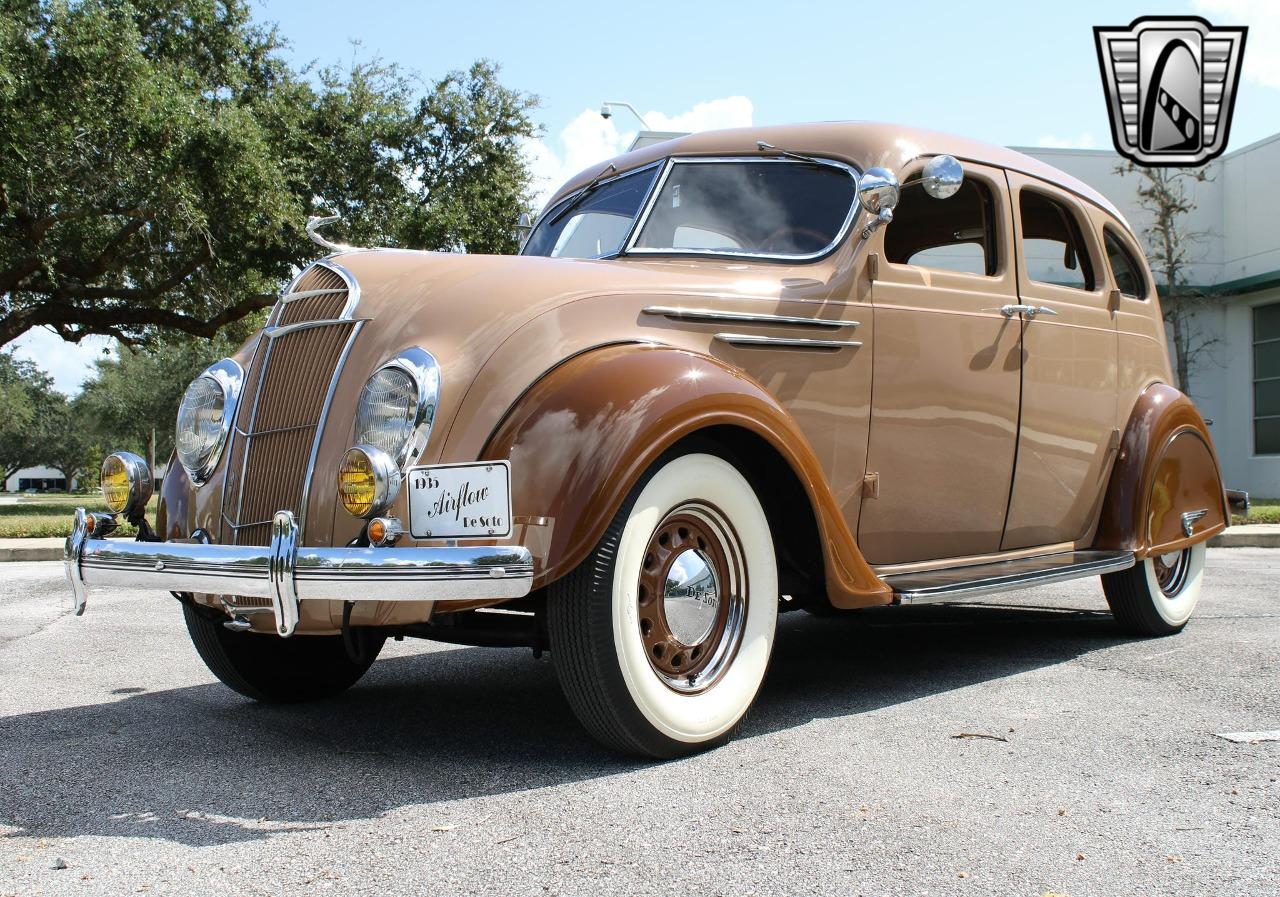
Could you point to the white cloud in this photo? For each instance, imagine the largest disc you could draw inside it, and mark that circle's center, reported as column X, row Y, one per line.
column 1262, row 47
column 590, row 139
column 69, row 364
column 1081, row 141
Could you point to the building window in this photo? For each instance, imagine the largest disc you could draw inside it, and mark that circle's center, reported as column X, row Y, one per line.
column 1266, row 379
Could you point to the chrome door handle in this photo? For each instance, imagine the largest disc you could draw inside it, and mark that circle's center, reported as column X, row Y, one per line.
column 1029, row 310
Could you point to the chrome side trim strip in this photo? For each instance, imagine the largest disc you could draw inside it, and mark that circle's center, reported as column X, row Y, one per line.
column 288, row 574
column 744, row 317
column 784, row 342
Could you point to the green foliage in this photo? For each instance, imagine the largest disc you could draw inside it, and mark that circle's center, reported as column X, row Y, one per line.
column 28, row 414
column 139, row 392
column 158, row 159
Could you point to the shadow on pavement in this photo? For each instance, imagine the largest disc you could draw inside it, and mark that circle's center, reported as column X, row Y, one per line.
column 201, row 765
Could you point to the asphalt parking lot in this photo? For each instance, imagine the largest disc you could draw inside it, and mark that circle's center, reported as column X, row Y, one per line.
column 1094, row 768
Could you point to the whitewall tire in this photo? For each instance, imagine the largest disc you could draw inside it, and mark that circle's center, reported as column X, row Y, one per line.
column 662, row 637
column 1158, row 595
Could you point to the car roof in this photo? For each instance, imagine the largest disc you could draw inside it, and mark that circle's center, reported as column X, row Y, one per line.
column 864, row 144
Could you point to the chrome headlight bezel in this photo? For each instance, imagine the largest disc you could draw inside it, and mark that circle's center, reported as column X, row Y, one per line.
column 424, row 371
column 228, row 376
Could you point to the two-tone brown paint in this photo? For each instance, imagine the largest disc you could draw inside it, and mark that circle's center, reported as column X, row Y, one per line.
column 584, row 435
column 556, row 364
column 1167, row 466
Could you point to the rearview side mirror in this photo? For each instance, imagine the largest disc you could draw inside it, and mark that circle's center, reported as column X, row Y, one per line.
column 942, row 177
column 878, row 191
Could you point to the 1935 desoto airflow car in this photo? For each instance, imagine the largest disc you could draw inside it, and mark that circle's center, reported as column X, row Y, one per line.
column 826, row 366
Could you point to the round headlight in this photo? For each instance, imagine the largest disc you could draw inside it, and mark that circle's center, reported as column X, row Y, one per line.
column 368, row 480
column 397, row 406
column 204, row 417
column 386, row 412
column 126, row 483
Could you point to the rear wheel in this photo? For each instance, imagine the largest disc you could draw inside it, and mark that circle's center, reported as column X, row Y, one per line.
column 661, row 638
column 276, row 670
column 1158, row 594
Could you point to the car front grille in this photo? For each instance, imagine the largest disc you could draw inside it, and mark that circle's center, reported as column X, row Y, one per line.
column 282, row 411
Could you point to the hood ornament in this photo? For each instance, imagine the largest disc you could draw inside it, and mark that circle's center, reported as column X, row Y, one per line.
column 315, row 222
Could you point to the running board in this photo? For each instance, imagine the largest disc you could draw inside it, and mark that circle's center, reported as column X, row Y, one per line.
column 958, row 583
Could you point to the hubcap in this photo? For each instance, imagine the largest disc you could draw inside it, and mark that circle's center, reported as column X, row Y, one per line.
column 692, row 597
column 1171, row 571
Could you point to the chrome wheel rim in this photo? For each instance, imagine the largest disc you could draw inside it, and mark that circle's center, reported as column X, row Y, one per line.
column 692, row 597
column 1171, row 571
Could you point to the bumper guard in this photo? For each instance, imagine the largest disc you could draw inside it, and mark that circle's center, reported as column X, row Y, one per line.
column 288, row 574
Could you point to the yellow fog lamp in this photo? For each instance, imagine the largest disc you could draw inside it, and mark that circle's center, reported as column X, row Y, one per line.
column 126, row 484
column 368, row 481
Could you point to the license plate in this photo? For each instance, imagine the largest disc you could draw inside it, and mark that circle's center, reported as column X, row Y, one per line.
column 460, row 501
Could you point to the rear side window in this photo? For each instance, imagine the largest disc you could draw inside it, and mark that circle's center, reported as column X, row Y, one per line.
column 953, row 234
column 1053, row 247
column 1124, row 267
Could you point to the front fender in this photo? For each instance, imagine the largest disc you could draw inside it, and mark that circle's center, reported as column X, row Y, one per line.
column 582, row 436
column 1167, row 467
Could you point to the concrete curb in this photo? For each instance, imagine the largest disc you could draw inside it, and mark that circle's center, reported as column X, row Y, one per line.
column 32, row 552
column 1254, row 535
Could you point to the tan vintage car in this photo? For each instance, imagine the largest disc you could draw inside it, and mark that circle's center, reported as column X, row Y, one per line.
column 827, row 366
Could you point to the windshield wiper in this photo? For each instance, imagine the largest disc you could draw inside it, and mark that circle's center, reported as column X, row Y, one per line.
column 769, row 147
column 572, row 202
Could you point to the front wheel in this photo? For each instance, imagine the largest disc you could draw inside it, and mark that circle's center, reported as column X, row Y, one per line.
column 276, row 670
column 1158, row 594
column 662, row 636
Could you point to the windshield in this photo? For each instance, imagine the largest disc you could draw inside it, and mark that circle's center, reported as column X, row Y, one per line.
column 592, row 224
column 767, row 207
column 779, row 208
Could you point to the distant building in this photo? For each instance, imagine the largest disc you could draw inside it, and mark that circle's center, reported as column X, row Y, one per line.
column 42, row 479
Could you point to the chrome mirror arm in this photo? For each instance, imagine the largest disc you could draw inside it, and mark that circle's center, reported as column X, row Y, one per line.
column 884, row 216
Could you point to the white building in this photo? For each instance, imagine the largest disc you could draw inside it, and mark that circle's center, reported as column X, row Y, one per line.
column 39, row 478
column 1237, row 382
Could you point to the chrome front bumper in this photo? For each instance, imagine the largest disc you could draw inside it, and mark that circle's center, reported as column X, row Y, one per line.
column 287, row 573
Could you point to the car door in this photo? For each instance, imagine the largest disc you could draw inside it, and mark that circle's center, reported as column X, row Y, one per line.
column 1067, row 432
column 944, row 406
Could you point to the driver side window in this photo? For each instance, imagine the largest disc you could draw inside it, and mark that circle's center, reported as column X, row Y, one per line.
column 954, row 234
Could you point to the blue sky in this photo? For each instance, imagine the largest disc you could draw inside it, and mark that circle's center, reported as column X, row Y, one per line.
column 1014, row 73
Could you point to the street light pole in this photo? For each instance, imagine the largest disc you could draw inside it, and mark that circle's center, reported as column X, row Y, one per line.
column 606, row 111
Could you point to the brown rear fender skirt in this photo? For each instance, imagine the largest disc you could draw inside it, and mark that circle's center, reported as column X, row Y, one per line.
column 582, row 436
column 1167, row 467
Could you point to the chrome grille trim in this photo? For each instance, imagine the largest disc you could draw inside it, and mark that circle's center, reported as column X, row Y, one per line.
column 285, row 452
column 292, row 293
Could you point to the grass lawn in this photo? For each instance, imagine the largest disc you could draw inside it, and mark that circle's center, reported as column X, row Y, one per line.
column 1262, row 510
column 35, row 516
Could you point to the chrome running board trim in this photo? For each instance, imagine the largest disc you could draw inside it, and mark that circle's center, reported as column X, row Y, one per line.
column 744, row 317
column 958, row 583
